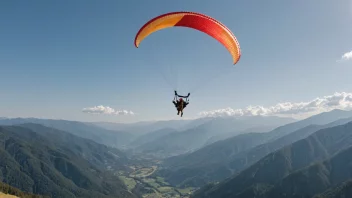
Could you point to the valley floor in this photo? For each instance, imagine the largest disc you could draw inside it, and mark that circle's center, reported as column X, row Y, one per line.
column 142, row 181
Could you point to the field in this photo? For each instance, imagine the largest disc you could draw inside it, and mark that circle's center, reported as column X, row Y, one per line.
column 129, row 182
column 185, row 191
column 143, row 172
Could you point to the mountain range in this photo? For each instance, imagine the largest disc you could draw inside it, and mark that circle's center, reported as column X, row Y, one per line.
column 108, row 137
column 302, row 169
column 250, row 156
column 178, row 142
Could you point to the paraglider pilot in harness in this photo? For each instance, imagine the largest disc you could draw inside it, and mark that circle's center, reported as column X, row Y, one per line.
column 180, row 104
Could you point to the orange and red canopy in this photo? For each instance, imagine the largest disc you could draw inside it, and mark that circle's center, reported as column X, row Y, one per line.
column 196, row 21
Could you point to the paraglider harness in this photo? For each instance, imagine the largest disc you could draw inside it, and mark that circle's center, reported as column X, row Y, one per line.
column 177, row 103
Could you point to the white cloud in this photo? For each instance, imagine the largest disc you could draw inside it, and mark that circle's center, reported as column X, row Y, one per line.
column 345, row 57
column 106, row 110
column 341, row 100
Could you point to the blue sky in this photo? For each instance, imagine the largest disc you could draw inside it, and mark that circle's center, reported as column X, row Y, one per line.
column 58, row 57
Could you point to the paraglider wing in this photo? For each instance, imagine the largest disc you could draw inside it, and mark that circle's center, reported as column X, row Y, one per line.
column 196, row 21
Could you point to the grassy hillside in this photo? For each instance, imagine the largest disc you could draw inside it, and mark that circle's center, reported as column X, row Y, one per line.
column 7, row 191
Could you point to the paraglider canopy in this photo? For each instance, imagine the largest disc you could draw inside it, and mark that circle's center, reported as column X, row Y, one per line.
column 196, row 21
